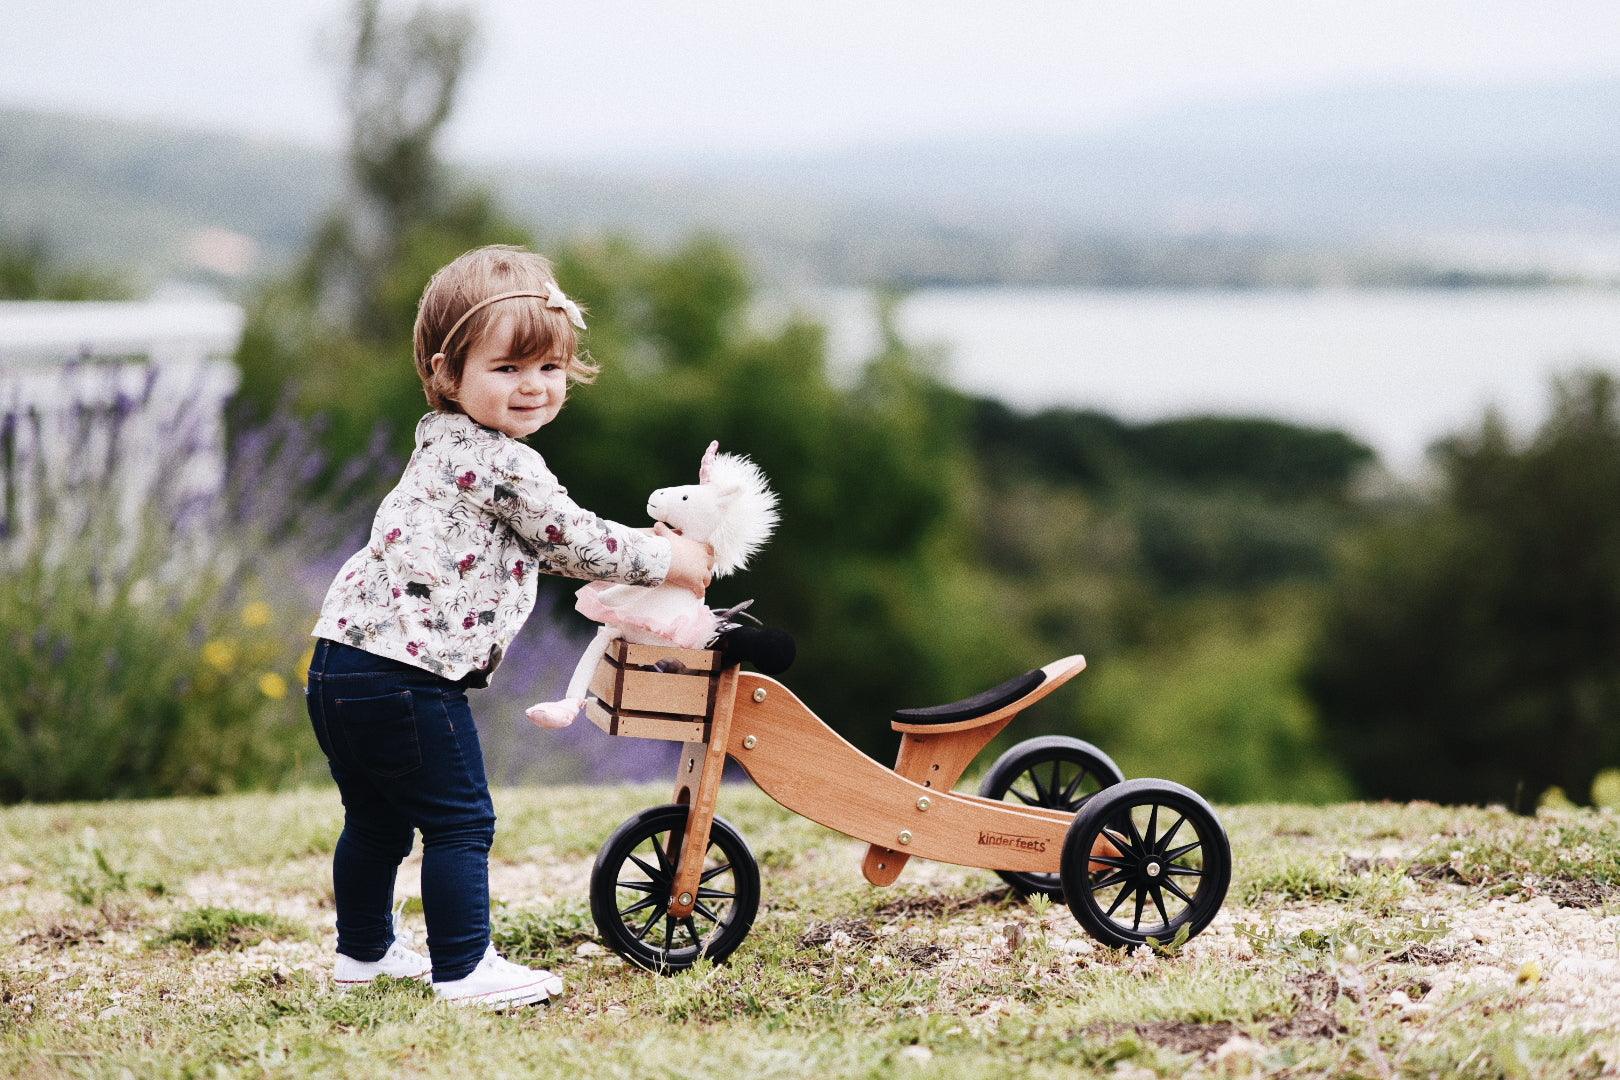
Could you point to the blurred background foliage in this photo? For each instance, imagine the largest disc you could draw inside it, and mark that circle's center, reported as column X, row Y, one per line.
column 1267, row 616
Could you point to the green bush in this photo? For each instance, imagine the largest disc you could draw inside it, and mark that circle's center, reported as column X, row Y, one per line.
column 151, row 679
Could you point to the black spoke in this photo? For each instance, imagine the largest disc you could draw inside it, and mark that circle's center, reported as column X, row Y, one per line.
column 1025, row 798
column 1074, row 785
column 639, row 905
column 691, row 928
column 706, row 913
column 1052, row 788
column 1173, row 887
column 1172, row 856
column 639, row 886
column 1153, row 826
column 1109, row 860
column 1112, row 879
column 1120, row 896
column 1184, row 871
column 1164, row 841
column 663, row 860
column 715, row 894
column 1118, row 841
column 1136, row 837
column 1158, row 902
column 653, row 873
column 669, row 931
column 1141, row 901
column 1041, row 794
column 648, row 925
column 707, row 874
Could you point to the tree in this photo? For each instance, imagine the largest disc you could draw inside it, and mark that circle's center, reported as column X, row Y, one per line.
column 337, row 330
column 1471, row 651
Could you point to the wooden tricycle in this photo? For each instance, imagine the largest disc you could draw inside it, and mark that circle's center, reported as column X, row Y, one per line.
column 1135, row 860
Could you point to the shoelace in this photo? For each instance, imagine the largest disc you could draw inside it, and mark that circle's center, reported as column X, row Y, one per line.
column 403, row 938
column 502, row 962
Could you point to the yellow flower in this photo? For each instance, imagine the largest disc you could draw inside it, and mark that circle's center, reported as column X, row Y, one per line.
column 272, row 686
column 220, row 654
column 256, row 614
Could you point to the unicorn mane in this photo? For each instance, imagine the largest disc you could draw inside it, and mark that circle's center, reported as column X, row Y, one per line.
column 749, row 517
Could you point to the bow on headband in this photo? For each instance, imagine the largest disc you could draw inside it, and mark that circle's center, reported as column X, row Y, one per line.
column 557, row 300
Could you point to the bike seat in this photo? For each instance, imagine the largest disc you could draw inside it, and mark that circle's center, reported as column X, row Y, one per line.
column 978, row 705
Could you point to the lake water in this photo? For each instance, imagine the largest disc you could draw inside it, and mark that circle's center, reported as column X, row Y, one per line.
column 1397, row 368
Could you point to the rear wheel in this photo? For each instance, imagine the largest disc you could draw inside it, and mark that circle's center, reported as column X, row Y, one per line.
column 1145, row 859
column 630, row 892
column 1055, row 772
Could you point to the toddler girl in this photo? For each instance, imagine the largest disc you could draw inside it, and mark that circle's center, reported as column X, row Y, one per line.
column 427, row 607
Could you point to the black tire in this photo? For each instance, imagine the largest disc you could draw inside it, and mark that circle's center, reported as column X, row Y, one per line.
column 1053, row 771
column 1158, row 852
column 630, row 888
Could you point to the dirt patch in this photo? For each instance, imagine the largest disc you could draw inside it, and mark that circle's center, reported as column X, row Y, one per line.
column 1179, row 1035
column 1581, row 893
column 1313, row 1016
column 1427, row 955
column 940, row 905
column 67, row 934
column 842, row 930
column 919, row 954
column 1565, row 892
column 1355, row 864
column 1439, row 872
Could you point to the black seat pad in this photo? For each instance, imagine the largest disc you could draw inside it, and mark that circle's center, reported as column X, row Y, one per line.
column 977, row 705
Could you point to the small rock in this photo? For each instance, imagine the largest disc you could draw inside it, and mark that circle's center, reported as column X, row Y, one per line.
column 589, row 948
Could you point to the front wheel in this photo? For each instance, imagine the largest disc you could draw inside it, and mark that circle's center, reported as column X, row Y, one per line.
column 1055, row 772
column 1145, row 859
column 630, row 892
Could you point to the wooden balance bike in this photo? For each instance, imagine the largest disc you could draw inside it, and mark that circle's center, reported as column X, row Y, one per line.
column 1136, row 861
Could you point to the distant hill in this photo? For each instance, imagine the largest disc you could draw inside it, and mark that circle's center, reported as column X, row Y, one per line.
column 1326, row 187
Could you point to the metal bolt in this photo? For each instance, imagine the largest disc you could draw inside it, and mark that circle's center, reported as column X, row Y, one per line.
column 1152, row 869
column 686, row 898
column 759, row 695
column 905, row 836
column 923, row 803
column 750, row 742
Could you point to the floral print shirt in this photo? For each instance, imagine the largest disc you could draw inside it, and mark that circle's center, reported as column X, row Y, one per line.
column 448, row 577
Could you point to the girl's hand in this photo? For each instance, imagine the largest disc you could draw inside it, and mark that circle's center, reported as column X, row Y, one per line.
column 691, row 564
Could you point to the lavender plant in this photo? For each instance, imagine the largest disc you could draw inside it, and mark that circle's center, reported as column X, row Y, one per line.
column 154, row 623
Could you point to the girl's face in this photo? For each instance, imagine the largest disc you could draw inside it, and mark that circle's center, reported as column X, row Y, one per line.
column 517, row 395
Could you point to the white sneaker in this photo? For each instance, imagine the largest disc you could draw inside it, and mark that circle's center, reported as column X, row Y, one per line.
column 499, row 983
column 400, row 961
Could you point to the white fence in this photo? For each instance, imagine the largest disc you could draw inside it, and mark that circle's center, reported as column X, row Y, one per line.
column 111, row 400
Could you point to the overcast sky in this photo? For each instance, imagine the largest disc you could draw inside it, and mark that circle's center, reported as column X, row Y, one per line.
column 584, row 79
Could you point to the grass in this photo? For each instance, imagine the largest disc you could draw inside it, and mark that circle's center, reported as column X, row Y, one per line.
column 192, row 937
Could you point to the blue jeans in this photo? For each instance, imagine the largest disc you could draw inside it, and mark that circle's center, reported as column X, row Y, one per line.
column 404, row 752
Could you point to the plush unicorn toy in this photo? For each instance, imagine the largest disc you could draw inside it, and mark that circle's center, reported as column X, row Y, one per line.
column 733, row 510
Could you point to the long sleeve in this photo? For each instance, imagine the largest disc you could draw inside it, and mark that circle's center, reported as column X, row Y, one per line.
column 514, row 486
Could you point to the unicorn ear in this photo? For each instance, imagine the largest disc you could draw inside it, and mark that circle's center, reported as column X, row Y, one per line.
column 708, row 462
column 730, row 491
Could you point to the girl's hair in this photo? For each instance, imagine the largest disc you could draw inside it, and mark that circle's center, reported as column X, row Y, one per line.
column 537, row 330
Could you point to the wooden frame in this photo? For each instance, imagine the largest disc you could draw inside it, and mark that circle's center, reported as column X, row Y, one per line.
column 806, row 766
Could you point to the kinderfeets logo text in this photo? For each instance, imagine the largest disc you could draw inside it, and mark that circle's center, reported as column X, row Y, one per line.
column 1012, row 840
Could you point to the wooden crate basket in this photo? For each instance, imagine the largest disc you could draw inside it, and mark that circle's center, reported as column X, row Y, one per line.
column 630, row 696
